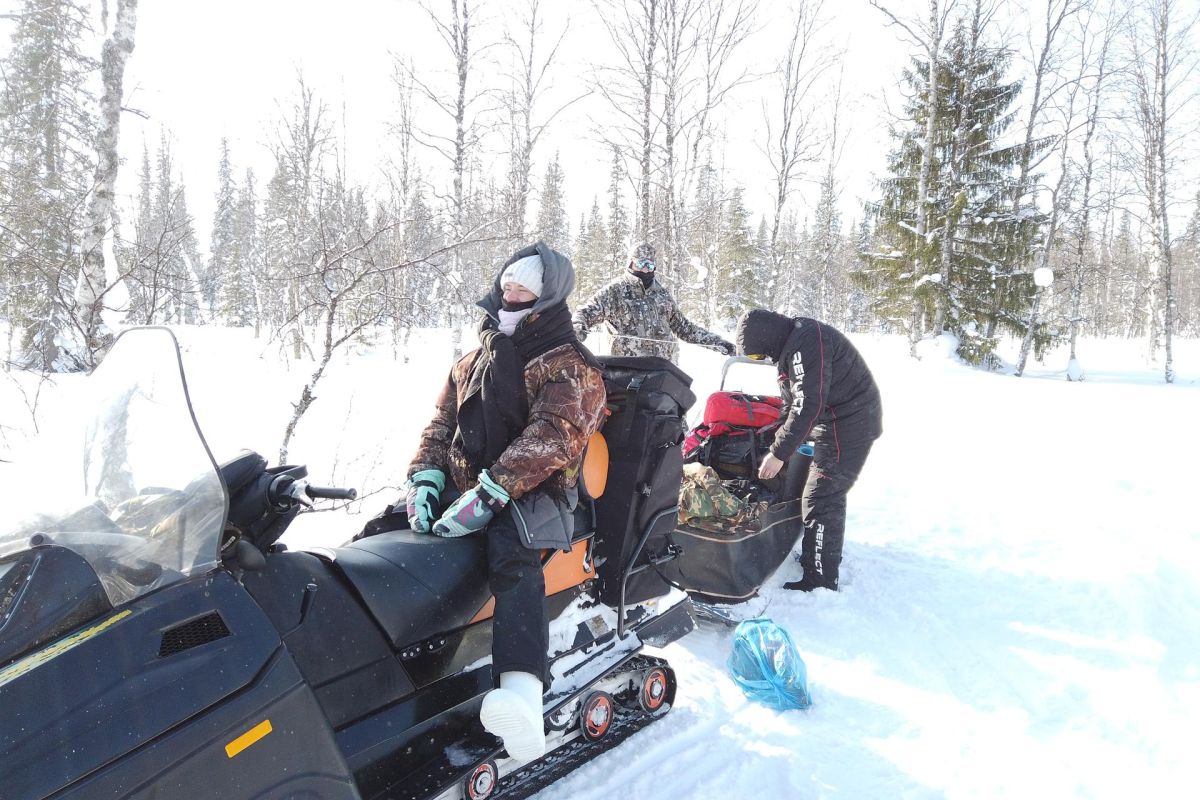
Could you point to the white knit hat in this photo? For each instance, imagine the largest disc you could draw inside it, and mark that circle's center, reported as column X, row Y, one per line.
column 526, row 271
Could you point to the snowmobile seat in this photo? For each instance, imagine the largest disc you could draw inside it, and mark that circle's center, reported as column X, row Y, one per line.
column 415, row 585
column 593, row 478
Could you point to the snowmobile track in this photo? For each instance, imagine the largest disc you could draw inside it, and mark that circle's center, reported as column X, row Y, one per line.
column 532, row 778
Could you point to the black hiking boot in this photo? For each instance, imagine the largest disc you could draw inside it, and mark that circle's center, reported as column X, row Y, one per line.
column 807, row 584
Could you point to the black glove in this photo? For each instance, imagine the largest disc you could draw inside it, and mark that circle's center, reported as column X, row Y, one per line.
column 726, row 348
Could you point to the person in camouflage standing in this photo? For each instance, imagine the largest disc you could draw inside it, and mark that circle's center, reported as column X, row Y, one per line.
column 642, row 314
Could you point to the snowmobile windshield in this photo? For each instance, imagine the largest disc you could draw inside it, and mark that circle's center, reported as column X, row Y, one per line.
column 125, row 478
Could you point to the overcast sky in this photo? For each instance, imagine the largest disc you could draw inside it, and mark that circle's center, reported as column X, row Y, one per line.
column 225, row 68
column 201, row 71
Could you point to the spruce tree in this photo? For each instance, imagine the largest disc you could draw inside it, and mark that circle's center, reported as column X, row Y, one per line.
column 47, row 126
column 223, row 244
column 591, row 254
column 424, row 284
column 1188, row 266
column 552, row 226
column 828, row 290
column 135, row 255
column 618, row 219
column 704, row 239
column 177, row 257
column 239, row 298
column 281, row 258
column 740, row 285
column 966, row 274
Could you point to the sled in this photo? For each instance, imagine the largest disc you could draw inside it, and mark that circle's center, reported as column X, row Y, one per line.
column 723, row 563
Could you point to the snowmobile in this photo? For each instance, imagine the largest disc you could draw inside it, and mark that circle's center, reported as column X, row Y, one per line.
column 157, row 640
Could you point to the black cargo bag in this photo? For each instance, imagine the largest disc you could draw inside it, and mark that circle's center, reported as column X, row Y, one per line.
column 647, row 401
column 729, row 566
column 737, row 453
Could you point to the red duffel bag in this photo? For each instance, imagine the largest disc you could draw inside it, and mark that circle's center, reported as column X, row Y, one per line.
column 741, row 409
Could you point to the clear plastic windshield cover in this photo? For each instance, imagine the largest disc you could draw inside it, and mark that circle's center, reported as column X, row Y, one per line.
column 125, row 479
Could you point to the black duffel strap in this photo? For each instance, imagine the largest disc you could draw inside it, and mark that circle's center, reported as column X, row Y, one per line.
column 621, row 434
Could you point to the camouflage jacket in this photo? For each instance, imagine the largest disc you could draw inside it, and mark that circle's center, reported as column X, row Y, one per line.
column 635, row 314
column 566, row 402
column 705, row 503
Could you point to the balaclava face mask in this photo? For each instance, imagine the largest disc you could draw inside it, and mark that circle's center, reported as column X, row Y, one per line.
column 647, row 278
column 645, row 256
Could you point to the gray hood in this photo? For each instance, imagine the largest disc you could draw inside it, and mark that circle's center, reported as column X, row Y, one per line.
column 558, row 279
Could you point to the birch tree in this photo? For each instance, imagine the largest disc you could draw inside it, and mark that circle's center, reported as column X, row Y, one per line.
column 1094, row 90
column 1162, row 88
column 792, row 137
column 1065, row 140
column 679, row 38
column 349, row 287
column 93, row 282
column 1048, row 80
column 302, row 142
column 458, row 106
column 529, row 81
column 699, row 38
column 630, row 86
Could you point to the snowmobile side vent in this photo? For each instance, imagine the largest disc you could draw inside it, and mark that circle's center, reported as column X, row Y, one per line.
column 193, row 633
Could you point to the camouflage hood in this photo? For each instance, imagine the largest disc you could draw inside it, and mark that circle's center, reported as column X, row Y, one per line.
column 558, row 279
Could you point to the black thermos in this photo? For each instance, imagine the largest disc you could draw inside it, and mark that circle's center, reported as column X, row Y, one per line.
column 797, row 472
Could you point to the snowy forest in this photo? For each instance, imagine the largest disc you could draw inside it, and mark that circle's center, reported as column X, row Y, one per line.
column 1036, row 184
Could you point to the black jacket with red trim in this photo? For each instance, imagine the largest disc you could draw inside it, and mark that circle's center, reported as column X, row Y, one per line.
column 827, row 390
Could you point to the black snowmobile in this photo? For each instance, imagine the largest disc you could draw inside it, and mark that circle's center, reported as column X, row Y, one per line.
column 157, row 641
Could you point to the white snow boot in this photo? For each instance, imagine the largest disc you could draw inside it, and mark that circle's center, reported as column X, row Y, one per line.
column 514, row 713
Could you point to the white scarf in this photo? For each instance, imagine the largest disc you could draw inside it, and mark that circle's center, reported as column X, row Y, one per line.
column 509, row 320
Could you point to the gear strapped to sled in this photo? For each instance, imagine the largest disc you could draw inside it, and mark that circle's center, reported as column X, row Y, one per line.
column 734, row 529
column 735, row 433
column 706, row 503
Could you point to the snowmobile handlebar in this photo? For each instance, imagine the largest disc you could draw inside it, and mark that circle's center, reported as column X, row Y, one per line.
column 287, row 491
column 330, row 493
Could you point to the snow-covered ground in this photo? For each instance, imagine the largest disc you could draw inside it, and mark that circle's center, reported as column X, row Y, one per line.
column 1020, row 612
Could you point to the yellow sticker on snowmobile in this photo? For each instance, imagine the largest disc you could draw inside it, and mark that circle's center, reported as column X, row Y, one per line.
column 248, row 738
column 35, row 660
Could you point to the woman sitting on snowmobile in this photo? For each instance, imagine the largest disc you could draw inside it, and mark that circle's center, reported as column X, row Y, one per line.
column 510, row 429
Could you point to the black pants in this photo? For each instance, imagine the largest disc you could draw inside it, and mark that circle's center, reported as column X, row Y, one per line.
column 520, row 627
column 834, row 470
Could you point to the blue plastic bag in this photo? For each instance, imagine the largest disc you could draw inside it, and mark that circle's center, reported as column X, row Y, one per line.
column 766, row 664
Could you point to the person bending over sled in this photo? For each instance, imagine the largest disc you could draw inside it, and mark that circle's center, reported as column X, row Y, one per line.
column 510, row 427
column 829, row 397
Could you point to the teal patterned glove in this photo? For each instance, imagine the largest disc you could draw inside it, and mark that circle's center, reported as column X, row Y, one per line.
column 424, row 488
column 474, row 510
